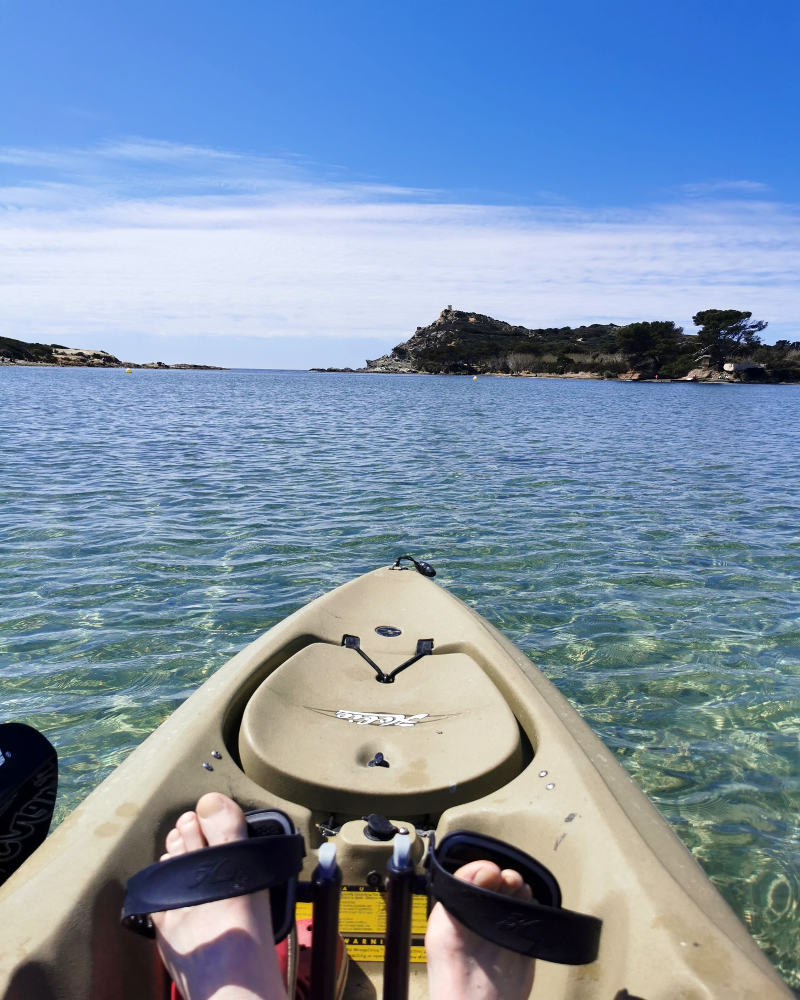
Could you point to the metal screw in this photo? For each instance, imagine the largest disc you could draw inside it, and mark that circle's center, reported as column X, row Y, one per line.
column 374, row 879
column 207, row 766
column 543, row 774
column 550, row 786
column 216, row 754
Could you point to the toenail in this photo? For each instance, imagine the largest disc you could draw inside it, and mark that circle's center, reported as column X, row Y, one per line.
column 210, row 804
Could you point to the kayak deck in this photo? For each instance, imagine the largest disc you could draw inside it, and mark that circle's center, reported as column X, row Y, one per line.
column 475, row 738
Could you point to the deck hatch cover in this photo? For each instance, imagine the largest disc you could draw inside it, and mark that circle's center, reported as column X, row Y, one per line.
column 311, row 728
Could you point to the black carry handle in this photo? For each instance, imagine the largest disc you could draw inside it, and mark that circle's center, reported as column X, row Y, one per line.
column 28, row 786
column 420, row 565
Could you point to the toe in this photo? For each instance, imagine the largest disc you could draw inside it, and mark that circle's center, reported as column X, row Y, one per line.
column 174, row 842
column 487, row 875
column 513, row 885
column 189, row 828
column 484, row 874
column 221, row 819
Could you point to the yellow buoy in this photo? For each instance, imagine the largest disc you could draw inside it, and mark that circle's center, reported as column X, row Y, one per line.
column 474, row 378
column 127, row 371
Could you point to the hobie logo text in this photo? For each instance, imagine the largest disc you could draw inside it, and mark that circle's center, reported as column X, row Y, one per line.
column 380, row 719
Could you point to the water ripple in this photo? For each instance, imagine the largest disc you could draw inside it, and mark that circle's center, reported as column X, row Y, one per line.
column 641, row 543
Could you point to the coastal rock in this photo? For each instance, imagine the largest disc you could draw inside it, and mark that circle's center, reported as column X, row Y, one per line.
column 705, row 374
column 20, row 352
column 388, row 365
column 75, row 357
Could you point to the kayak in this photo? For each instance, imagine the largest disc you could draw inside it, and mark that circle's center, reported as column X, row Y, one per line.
column 385, row 708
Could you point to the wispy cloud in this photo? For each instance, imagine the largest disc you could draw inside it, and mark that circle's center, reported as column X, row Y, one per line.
column 143, row 237
column 702, row 188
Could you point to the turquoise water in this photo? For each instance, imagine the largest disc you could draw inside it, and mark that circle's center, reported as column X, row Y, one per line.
column 640, row 542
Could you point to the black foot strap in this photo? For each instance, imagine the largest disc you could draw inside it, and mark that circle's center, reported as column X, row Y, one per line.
column 540, row 928
column 270, row 858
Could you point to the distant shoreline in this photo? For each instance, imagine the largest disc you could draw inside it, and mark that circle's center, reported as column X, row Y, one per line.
column 713, row 378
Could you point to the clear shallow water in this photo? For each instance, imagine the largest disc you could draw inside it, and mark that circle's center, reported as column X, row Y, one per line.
column 640, row 542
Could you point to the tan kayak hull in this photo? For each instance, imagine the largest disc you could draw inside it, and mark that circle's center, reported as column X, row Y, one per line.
column 476, row 738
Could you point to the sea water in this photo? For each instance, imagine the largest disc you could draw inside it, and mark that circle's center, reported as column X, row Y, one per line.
column 641, row 543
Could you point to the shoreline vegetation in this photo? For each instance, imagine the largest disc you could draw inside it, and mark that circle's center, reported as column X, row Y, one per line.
column 726, row 349
column 20, row 352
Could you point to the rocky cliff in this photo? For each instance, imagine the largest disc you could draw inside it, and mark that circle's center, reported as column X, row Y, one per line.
column 468, row 343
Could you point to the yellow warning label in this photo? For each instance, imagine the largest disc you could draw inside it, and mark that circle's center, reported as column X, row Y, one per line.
column 362, row 923
column 361, row 952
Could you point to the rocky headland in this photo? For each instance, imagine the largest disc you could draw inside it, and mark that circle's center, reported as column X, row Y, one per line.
column 462, row 343
column 466, row 343
column 20, row 352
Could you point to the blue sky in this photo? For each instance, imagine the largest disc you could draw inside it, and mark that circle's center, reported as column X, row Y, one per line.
column 289, row 184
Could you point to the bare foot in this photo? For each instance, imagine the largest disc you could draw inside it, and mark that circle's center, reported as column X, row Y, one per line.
column 463, row 964
column 223, row 950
